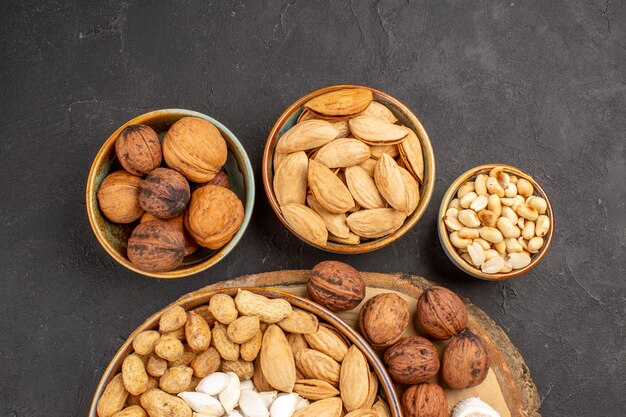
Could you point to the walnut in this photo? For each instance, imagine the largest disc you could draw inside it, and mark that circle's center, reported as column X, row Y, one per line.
column 164, row 193
column 336, row 286
column 178, row 222
column 215, row 214
column 118, row 197
column 440, row 313
column 156, row 246
column 383, row 319
column 424, row 400
column 138, row 149
column 465, row 362
column 412, row 360
column 196, row 148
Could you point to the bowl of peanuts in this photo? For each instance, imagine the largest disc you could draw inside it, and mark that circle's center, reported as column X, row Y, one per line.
column 495, row 222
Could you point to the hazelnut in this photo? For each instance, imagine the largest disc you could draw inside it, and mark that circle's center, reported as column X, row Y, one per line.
column 465, row 362
column 440, row 313
column 156, row 246
column 383, row 319
column 196, row 148
column 138, row 149
column 118, row 197
column 215, row 214
column 178, row 222
column 424, row 400
column 164, row 193
column 336, row 286
column 412, row 360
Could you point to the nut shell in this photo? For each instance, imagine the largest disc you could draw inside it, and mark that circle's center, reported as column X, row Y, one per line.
column 221, row 179
column 383, row 319
column 164, row 193
column 465, row 362
column 196, row 148
column 138, row 149
column 424, row 400
column 440, row 313
column 179, row 223
column 118, row 197
column 215, row 214
column 336, row 285
column 156, row 246
column 412, row 360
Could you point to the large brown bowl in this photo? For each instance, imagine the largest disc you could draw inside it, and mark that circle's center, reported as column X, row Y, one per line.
column 323, row 314
column 113, row 237
column 451, row 251
column 404, row 115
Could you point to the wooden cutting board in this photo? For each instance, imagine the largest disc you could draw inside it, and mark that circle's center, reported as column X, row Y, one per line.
column 508, row 388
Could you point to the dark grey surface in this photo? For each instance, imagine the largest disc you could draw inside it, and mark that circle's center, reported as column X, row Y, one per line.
column 539, row 85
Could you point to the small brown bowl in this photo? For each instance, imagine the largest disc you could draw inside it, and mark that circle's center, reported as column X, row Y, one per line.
column 322, row 313
column 451, row 251
column 404, row 115
column 113, row 236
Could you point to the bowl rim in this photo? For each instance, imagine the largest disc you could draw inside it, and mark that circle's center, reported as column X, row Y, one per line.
column 248, row 179
column 426, row 189
column 444, row 237
column 192, row 301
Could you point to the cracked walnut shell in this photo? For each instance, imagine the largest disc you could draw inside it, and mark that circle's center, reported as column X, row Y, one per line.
column 215, row 214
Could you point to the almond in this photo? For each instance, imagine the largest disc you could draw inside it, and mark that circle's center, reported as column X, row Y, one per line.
column 363, row 188
column 343, row 152
column 390, row 182
column 343, row 102
column 299, row 322
column 411, row 152
column 354, row 372
column 307, row 135
column 306, row 222
column 328, row 189
column 315, row 389
column 412, row 189
column 316, row 365
column 376, row 109
column 328, row 342
column 335, row 223
column 375, row 222
column 329, row 407
column 376, row 131
column 277, row 362
column 290, row 179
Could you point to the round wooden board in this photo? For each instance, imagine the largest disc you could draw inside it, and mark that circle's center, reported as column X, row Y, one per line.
column 508, row 388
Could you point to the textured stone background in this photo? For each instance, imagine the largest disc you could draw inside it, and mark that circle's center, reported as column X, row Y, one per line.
column 539, row 85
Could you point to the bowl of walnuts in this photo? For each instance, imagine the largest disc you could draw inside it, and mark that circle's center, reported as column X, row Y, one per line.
column 348, row 169
column 170, row 193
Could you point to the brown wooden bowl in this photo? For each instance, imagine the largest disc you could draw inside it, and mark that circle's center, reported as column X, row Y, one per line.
column 451, row 251
column 404, row 115
column 113, row 236
column 322, row 313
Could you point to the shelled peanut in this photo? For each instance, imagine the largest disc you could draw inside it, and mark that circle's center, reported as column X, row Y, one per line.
column 244, row 356
column 497, row 221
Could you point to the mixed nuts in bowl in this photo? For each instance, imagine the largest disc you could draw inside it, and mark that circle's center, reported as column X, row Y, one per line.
column 170, row 193
column 495, row 222
column 247, row 351
column 348, row 169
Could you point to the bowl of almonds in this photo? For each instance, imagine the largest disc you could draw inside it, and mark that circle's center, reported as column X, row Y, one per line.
column 245, row 352
column 348, row 169
column 495, row 222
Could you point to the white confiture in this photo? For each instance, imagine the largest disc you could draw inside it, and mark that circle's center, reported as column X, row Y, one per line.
column 474, row 407
column 229, row 397
column 202, row 403
column 252, row 404
column 284, row 405
column 213, row 384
